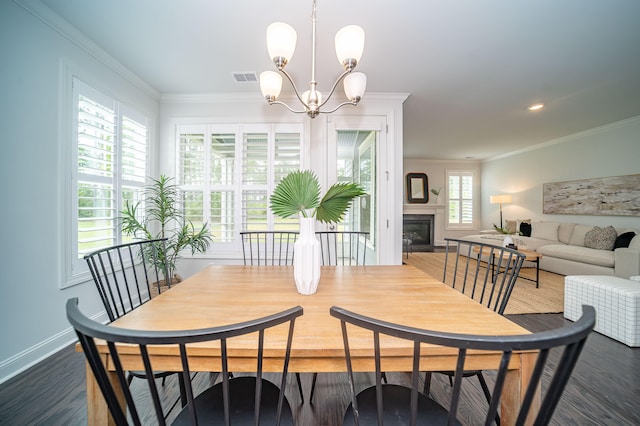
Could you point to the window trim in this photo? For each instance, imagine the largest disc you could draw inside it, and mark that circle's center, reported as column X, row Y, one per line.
column 240, row 129
column 73, row 270
column 474, row 196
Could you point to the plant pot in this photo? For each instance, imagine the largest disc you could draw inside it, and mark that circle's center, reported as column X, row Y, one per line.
column 307, row 258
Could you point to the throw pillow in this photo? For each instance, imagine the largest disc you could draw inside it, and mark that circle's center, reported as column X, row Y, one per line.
column 564, row 232
column 525, row 229
column 601, row 238
column 577, row 236
column 624, row 240
column 510, row 226
column 635, row 242
column 550, row 231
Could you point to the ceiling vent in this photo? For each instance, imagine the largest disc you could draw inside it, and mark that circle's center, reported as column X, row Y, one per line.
column 245, row 77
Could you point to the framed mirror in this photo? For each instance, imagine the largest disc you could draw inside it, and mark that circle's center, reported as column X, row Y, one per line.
column 417, row 188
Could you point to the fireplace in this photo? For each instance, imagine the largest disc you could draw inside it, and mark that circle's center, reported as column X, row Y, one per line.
column 417, row 230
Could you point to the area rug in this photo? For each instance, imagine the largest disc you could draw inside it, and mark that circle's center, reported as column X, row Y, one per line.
column 525, row 299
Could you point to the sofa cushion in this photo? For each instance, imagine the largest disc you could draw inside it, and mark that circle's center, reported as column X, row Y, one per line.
column 545, row 230
column 624, row 240
column 601, row 238
column 579, row 254
column 564, row 232
column 577, row 237
column 510, row 226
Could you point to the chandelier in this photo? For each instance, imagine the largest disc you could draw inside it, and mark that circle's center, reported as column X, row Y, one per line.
column 281, row 43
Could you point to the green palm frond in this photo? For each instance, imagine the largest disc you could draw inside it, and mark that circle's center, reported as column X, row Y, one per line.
column 297, row 192
column 336, row 201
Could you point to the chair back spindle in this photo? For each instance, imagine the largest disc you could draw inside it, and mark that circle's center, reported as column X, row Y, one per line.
column 343, row 247
column 237, row 400
column 268, row 247
column 394, row 404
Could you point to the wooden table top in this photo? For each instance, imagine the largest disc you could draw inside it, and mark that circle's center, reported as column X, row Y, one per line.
column 224, row 294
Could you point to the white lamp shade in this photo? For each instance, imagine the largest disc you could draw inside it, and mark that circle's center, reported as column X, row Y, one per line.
column 305, row 96
column 350, row 43
column 281, row 40
column 500, row 199
column 355, row 85
column 270, row 84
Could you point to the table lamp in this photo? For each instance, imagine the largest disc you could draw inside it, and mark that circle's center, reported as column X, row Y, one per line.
column 500, row 199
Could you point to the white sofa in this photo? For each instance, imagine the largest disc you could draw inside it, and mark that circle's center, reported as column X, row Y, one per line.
column 563, row 249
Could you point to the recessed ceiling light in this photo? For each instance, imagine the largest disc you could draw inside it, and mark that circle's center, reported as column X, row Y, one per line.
column 536, row 107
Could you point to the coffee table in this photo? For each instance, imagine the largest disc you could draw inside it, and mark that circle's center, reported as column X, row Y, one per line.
column 530, row 256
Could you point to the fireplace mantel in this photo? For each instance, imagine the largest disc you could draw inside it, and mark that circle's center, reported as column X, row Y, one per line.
column 435, row 209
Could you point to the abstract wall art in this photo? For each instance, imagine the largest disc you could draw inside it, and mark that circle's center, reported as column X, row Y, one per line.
column 607, row 196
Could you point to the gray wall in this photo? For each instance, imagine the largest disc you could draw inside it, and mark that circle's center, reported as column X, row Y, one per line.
column 612, row 150
column 32, row 317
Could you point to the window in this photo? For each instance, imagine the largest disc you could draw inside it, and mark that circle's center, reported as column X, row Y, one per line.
column 460, row 199
column 228, row 172
column 110, row 162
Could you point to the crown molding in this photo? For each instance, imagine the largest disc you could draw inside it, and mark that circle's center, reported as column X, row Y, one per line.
column 71, row 33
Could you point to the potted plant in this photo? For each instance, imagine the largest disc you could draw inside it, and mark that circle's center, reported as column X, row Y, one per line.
column 436, row 192
column 299, row 193
column 163, row 218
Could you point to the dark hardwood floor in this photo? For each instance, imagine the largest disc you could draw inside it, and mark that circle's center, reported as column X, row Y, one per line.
column 604, row 389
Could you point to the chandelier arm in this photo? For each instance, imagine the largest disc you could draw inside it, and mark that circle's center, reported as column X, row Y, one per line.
column 333, row 89
column 295, row 89
column 354, row 103
column 287, row 106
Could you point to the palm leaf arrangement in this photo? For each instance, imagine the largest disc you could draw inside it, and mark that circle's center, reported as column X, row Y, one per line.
column 299, row 193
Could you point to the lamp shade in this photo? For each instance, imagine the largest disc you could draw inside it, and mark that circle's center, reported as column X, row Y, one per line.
column 354, row 85
column 349, row 43
column 500, row 199
column 270, row 84
column 281, row 40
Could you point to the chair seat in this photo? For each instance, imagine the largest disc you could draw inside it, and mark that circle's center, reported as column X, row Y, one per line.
column 210, row 408
column 396, row 408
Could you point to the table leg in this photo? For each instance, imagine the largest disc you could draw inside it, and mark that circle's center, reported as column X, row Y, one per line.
column 537, row 272
column 97, row 409
column 515, row 387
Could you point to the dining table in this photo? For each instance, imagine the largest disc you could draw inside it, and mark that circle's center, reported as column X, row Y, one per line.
column 403, row 294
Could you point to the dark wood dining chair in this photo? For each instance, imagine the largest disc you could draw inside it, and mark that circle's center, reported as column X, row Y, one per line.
column 126, row 276
column 268, row 247
column 392, row 404
column 238, row 400
column 343, row 247
column 485, row 272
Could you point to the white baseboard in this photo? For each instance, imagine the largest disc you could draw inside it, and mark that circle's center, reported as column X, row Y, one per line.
column 26, row 359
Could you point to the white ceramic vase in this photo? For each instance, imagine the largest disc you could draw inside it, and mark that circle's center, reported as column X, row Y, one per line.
column 307, row 257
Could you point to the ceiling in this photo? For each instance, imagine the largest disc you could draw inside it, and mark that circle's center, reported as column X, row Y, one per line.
column 470, row 67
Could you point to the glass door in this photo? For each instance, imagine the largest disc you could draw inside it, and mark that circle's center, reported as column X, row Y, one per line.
column 353, row 148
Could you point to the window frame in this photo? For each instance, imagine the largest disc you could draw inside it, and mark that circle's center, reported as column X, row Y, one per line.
column 240, row 129
column 461, row 173
column 74, row 270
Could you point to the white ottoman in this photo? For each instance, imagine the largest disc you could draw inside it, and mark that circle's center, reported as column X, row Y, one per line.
column 616, row 300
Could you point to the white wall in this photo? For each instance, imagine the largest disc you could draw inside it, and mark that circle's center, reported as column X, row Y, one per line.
column 32, row 316
column 612, row 150
column 436, row 171
column 213, row 108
